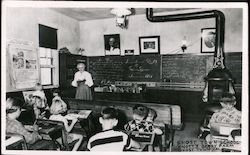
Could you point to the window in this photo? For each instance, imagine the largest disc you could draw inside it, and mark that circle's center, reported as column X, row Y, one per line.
column 48, row 65
column 48, row 56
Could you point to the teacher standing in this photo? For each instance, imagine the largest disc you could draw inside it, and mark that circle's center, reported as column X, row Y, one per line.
column 83, row 81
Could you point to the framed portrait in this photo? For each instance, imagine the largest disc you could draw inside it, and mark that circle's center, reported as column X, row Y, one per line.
column 129, row 52
column 112, row 44
column 208, row 40
column 149, row 45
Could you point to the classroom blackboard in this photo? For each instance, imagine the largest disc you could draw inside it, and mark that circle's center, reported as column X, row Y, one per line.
column 125, row 68
column 104, row 69
column 142, row 68
column 185, row 68
column 178, row 68
column 233, row 62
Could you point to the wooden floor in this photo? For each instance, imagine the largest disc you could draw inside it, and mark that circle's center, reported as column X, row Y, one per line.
column 189, row 134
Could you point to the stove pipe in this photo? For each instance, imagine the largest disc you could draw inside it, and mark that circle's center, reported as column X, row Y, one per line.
column 219, row 75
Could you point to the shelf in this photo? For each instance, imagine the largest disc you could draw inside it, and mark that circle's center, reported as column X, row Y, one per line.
column 67, row 68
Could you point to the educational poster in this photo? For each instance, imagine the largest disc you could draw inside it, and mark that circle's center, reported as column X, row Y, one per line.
column 24, row 66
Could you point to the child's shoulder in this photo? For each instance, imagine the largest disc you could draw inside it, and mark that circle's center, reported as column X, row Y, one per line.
column 111, row 133
column 131, row 122
column 236, row 110
column 55, row 117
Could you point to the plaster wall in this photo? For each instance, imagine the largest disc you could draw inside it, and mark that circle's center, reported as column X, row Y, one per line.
column 171, row 33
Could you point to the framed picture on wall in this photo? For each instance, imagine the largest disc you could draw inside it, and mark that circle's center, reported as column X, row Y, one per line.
column 208, row 40
column 129, row 52
column 112, row 44
column 149, row 45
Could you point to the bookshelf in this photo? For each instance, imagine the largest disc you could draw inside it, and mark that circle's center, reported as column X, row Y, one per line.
column 67, row 69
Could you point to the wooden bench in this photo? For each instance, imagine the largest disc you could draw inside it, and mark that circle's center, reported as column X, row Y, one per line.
column 169, row 116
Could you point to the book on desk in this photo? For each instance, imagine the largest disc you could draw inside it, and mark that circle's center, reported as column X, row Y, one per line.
column 82, row 114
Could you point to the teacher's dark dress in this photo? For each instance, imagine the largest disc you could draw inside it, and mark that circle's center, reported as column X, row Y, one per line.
column 83, row 91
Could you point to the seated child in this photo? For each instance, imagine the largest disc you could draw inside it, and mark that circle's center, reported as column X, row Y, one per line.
column 13, row 111
column 39, row 92
column 228, row 116
column 151, row 118
column 40, row 107
column 39, row 102
column 139, row 122
column 56, row 109
column 56, row 96
column 109, row 139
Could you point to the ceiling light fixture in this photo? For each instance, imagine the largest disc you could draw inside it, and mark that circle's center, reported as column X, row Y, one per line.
column 121, row 16
column 184, row 44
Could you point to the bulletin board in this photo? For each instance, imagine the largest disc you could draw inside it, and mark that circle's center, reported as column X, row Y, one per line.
column 22, row 65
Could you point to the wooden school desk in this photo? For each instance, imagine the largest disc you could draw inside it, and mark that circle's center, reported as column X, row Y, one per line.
column 15, row 142
column 85, row 120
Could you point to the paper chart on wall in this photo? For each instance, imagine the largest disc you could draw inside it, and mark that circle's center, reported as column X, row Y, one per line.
column 24, row 66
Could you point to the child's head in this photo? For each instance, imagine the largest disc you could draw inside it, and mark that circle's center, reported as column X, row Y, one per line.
column 57, row 107
column 151, row 115
column 227, row 100
column 13, row 107
column 140, row 112
column 38, row 102
column 38, row 86
column 56, row 92
column 109, row 118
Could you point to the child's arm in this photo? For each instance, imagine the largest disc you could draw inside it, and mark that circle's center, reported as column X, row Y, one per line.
column 29, row 137
column 70, row 127
column 37, row 112
column 46, row 106
column 158, row 131
column 134, row 144
column 212, row 120
column 45, row 101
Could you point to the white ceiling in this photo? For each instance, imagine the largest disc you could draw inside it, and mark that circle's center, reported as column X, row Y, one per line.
column 83, row 14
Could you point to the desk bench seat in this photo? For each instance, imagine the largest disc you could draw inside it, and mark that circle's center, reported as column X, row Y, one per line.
column 169, row 116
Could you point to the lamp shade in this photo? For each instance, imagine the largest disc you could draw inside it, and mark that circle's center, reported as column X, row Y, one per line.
column 121, row 12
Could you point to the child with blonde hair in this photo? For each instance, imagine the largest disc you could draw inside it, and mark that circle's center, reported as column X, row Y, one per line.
column 57, row 96
column 39, row 102
column 56, row 110
column 39, row 92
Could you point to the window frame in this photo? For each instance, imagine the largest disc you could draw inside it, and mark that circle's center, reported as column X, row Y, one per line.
column 53, row 66
column 46, row 45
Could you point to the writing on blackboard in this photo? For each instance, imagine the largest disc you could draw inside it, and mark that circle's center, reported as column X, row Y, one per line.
column 129, row 68
column 149, row 61
column 184, row 68
column 148, row 76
